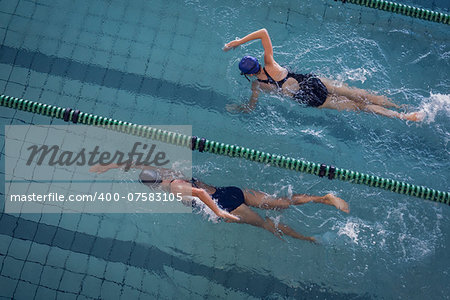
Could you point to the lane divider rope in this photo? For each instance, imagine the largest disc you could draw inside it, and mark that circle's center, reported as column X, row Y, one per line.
column 205, row 145
column 403, row 9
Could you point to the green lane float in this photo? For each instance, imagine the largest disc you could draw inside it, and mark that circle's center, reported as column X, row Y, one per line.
column 407, row 10
column 205, row 145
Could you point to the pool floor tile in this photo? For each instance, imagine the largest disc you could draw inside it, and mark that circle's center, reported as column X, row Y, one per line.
column 71, row 282
column 91, row 286
column 8, row 285
column 110, row 290
column 115, row 271
column 38, row 252
column 51, row 276
column 19, row 248
column 11, row 267
column 31, row 272
column 25, row 290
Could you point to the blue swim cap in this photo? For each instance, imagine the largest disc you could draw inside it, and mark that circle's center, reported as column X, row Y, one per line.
column 249, row 65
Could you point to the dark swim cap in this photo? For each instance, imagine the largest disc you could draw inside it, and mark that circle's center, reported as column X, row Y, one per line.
column 249, row 65
column 150, row 178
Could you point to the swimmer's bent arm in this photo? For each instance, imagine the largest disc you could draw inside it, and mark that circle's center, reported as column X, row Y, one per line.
column 253, row 98
column 251, row 105
column 206, row 198
column 99, row 168
column 261, row 34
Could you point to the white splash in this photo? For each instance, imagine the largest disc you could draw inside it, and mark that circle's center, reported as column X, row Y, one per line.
column 204, row 210
column 317, row 133
column 276, row 220
column 358, row 74
column 351, row 230
column 436, row 103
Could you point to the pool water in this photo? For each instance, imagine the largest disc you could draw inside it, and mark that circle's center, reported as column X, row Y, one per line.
column 161, row 62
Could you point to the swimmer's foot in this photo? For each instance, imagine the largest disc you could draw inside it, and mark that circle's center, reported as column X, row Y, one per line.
column 337, row 202
column 415, row 116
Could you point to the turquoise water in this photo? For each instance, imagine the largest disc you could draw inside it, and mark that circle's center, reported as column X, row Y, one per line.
column 162, row 63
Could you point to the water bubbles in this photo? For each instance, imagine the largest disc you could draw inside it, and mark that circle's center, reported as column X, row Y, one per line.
column 436, row 104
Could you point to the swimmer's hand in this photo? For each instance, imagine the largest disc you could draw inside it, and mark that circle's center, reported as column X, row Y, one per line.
column 226, row 49
column 231, row 45
column 238, row 108
column 311, row 239
column 227, row 216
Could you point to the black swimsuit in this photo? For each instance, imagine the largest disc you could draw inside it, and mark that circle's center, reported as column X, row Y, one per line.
column 312, row 91
column 229, row 198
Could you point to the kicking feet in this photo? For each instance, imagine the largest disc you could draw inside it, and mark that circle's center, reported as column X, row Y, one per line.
column 337, row 202
column 415, row 116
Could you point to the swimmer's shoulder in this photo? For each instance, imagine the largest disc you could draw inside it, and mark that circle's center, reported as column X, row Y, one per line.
column 276, row 71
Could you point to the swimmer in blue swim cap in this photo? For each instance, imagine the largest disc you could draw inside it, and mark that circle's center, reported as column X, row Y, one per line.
column 307, row 88
column 232, row 203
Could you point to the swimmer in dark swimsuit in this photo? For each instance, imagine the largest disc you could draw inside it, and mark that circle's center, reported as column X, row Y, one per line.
column 307, row 88
column 233, row 204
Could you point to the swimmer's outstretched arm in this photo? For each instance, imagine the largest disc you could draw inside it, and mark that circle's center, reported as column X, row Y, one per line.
column 261, row 34
column 98, row 168
column 180, row 186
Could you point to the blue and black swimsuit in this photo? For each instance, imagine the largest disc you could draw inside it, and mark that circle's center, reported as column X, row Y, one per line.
column 229, row 198
column 312, row 91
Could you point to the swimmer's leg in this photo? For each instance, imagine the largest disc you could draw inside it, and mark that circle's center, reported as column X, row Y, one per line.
column 343, row 103
column 357, row 95
column 414, row 116
column 265, row 201
column 248, row 216
column 291, row 232
column 328, row 199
